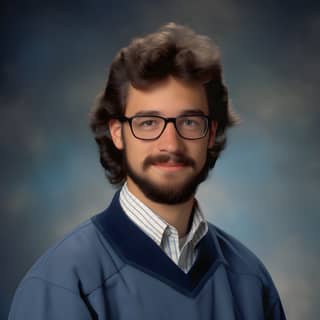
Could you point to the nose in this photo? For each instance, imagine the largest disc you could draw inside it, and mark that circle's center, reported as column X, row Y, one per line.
column 170, row 141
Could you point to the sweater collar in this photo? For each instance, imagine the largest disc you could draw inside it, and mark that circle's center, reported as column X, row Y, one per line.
column 144, row 254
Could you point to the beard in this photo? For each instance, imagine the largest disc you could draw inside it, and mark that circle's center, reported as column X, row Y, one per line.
column 168, row 194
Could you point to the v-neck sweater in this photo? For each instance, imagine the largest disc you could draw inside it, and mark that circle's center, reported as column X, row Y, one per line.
column 109, row 269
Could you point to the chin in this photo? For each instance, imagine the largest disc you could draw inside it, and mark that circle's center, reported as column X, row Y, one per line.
column 168, row 187
column 167, row 191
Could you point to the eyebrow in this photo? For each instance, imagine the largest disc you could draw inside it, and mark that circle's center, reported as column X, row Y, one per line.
column 157, row 113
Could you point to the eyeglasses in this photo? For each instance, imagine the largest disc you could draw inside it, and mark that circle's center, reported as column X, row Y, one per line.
column 146, row 127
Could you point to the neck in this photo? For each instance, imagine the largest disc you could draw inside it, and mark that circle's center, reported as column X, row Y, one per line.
column 177, row 215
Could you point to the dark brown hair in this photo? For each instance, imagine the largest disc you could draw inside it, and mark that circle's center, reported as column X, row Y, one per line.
column 172, row 51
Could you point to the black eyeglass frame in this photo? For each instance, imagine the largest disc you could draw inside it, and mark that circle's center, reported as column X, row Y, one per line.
column 166, row 121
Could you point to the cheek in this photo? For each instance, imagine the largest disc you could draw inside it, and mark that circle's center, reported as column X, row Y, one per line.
column 199, row 152
column 204, row 157
column 136, row 150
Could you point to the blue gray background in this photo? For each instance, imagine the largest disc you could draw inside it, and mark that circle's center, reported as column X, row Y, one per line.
column 265, row 187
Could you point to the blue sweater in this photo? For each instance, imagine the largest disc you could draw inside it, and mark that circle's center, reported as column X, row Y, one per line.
column 109, row 269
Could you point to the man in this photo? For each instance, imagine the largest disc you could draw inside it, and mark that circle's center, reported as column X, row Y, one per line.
column 160, row 126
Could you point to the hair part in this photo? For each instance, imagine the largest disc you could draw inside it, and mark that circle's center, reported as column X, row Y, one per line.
column 176, row 51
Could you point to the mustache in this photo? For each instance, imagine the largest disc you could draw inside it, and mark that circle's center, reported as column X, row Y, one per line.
column 172, row 157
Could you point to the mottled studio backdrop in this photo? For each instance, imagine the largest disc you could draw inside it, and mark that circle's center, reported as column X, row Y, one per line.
column 265, row 187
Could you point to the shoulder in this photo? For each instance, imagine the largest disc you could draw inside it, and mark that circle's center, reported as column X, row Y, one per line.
column 247, row 276
column 81, row 259
column 241, row 262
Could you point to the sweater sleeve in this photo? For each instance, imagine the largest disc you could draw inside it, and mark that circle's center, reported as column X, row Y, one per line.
column 276, row 311
column 38, row 299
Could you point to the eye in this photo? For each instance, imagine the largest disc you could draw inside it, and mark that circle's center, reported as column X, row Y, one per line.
column 147, row 123
column 190, row 122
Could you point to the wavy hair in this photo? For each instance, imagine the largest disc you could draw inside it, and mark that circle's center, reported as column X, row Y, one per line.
column 176, row 51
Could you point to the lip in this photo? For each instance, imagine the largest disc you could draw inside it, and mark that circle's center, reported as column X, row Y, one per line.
column 167, row 166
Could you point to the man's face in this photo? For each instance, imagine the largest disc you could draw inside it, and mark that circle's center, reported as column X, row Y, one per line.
column 168, row 169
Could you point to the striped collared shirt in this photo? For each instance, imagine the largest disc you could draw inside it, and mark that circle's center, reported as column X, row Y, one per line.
column 183, row 251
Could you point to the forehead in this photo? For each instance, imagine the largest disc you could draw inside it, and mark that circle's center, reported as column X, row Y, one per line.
column 170, row 97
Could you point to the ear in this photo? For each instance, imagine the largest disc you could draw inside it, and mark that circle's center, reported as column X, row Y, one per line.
column 115, row 128
column 212, row 133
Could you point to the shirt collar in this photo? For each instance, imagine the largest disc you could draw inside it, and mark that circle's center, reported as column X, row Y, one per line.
column 153, row 225
column 141, row 215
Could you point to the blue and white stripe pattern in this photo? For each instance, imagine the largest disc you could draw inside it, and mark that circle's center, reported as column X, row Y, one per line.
column 183, row 251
